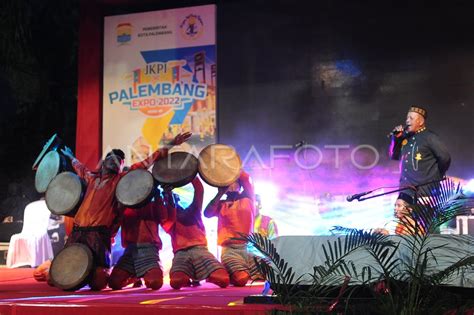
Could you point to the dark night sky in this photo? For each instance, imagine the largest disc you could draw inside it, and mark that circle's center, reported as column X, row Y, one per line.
column 328, row 72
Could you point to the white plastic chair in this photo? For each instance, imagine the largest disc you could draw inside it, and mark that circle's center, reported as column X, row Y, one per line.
column 32, row 245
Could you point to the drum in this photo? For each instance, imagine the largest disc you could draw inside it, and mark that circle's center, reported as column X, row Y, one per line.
column 135, row 189
column 71, row 268
column 64, row 194
column 219, row 165
column 51, row 165
column 177, row 169
column 52, row 144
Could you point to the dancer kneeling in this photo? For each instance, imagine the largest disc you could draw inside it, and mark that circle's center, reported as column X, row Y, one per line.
column 235, row 217
column 192, row 260
column 142, row 242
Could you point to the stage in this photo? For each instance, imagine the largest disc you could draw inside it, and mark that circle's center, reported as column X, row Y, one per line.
column 21, row 294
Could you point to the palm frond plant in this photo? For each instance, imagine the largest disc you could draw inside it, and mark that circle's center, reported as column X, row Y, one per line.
column 339, row 255
column 405, row 275
column 429, row 260
column 331, row 281
column 276, row 270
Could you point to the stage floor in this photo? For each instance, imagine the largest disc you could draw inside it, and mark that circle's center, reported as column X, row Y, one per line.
column 21, row 294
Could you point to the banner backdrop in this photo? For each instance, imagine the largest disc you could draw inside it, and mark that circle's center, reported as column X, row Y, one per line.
column 159, row 79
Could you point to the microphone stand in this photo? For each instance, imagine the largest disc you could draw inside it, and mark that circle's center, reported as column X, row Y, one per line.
column 387, row 193
column 415, row 188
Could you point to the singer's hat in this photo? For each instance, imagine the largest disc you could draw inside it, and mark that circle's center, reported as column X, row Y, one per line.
column 419, row 110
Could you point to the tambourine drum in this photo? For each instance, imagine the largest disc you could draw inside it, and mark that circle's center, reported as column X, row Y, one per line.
column 64, row 194
column 177, row 169
column 71, row 269
column 135, row 189
column 51, row 165
column 219, row 165
column 52, row 144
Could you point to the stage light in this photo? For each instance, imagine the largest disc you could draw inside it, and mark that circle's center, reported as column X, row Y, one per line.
column 469, row 188
column 268, row 194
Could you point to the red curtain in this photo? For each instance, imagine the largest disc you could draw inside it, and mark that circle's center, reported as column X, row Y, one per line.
column 89, row 92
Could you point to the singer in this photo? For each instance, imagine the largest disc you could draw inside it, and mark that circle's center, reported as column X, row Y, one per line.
column 423, row 156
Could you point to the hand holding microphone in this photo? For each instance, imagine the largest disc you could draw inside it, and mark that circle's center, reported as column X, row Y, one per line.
column 397, row 131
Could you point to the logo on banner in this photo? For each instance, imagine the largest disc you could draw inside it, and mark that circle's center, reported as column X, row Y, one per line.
column 124, row 33
column 192, row 27
column 159, row 88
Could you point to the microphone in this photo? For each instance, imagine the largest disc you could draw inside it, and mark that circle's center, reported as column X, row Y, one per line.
column 357, row 196
column 395, row 132
column 300, row 144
